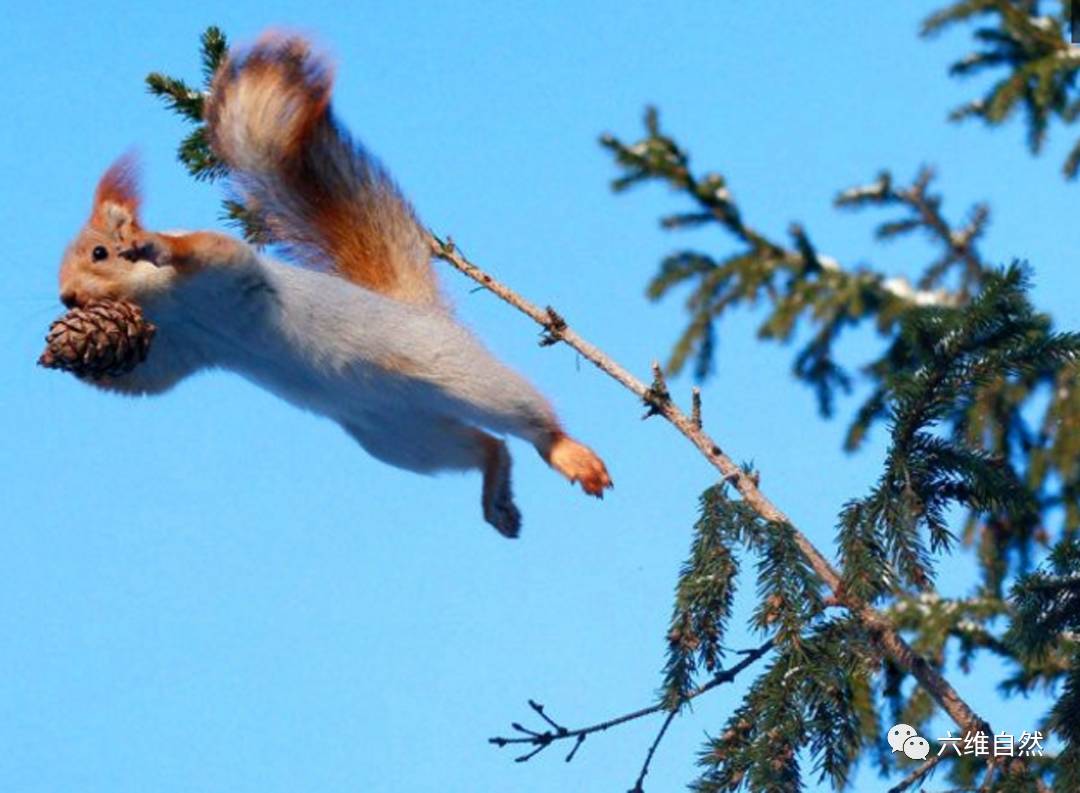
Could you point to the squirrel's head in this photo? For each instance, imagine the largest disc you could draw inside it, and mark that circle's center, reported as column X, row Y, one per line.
column 108, row 258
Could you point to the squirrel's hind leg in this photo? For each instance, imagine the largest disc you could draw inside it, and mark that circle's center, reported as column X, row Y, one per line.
column 431, row 444
column 498, row 499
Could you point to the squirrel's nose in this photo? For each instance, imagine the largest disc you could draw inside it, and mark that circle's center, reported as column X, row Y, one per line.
column 67, row 297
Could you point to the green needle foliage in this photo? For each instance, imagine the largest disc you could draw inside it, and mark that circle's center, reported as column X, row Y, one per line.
column 194, row 151
column 1047, row 624
column 788, row 590
column 818, row 696
column 950, row 354
column 706, row 592
column 811, row 701
column 980, row 398
column 1039, row 62
column 1029, row 417
column 187, row 102
column 793, row 278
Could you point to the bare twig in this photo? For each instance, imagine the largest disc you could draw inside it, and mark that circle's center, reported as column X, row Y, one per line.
column 637, row 788
column 994, row 765
column 557, row 732
column 877, row 624
column 991, row 769
column 915, row 776
column 658, row 395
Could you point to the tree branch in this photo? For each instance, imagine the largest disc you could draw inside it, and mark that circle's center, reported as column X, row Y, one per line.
column 877, row 624
column 541, row 740
column 637, row 788
column 919, row 773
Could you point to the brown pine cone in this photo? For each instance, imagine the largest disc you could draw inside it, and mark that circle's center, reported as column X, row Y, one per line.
column 102, row 338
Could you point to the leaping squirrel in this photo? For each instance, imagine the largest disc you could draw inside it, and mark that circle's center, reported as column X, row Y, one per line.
column 360, row 333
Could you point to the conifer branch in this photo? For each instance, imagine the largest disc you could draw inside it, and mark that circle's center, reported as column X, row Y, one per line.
column 875, row 623
column 924, row 213
column 797, row 282
column 1040, row 66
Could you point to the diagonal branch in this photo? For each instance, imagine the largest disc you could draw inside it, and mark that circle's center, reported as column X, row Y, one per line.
column 916, row 775
column 876, row 623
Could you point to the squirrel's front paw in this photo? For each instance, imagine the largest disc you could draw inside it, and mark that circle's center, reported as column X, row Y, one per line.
column 147, row 247
column 579, row 463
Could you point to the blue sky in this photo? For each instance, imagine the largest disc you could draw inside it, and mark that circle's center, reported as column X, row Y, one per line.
column 211, row 591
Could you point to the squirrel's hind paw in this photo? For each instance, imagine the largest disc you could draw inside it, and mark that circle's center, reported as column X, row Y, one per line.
column 504, row 516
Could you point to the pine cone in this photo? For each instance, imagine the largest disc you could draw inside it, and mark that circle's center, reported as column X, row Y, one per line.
column 102, row 338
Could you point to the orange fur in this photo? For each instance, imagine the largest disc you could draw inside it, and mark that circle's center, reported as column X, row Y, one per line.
column 324, row 198
column 195, row 249
column 114, row 226
column 119, row 185
column 401, row 364
column 578, row 463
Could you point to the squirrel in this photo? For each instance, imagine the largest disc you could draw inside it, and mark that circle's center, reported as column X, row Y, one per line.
column 358, row 332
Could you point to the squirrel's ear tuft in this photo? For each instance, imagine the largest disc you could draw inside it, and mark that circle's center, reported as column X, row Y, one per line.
column 116, row 201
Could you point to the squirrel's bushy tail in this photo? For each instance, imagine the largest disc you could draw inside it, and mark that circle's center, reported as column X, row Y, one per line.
column 315, row 190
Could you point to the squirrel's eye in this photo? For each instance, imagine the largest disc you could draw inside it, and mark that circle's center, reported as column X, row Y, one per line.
column 99, row 253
